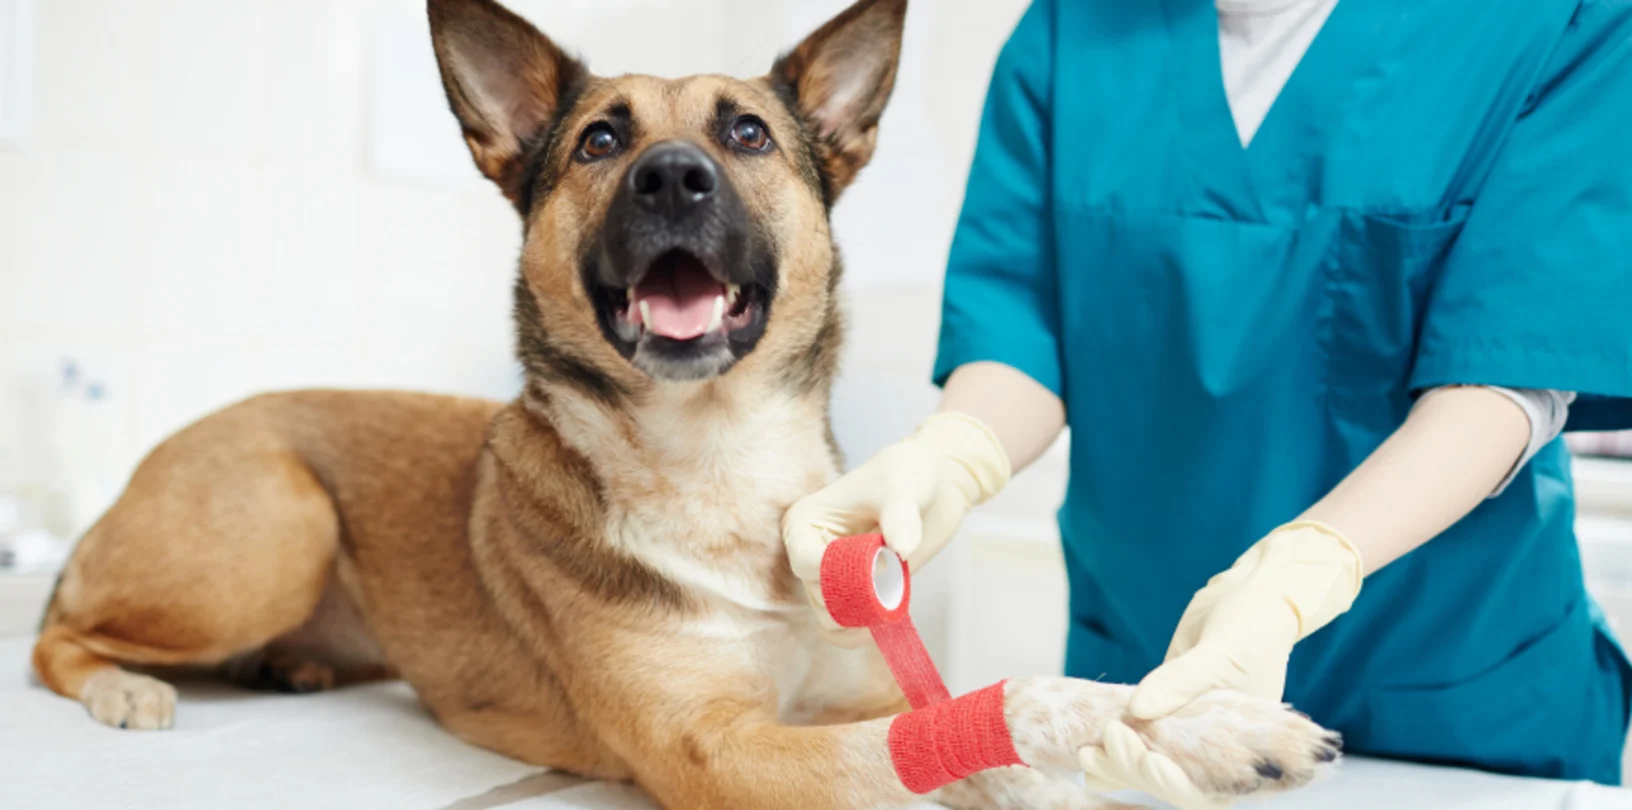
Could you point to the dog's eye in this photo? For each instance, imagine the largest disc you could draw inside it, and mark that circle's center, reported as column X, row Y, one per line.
column 750, row 133
column 598, row 142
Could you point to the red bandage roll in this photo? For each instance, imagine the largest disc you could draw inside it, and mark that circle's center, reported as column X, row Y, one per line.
column 864, row 584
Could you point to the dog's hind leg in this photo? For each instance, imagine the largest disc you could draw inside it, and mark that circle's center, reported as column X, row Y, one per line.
column 332, row 648
column 223, row 541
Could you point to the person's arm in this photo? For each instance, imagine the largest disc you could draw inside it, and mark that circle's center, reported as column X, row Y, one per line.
column 999, row 353
column 1025, row 417
column 1456, row 446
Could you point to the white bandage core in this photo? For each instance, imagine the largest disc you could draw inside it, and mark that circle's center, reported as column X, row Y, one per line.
column 889, row 579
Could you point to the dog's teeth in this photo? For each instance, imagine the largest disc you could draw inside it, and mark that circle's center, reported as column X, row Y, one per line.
column 718, row 318
column 731, row 293
column 628, row 330
column 645, row 313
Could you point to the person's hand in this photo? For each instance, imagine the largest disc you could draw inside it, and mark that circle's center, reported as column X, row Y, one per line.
column 915, row 492
column 1239, row 630
column 1122, row 761
column 1237, row 633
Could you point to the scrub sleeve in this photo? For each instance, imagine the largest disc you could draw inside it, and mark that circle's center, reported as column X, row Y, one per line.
column 1537, row 290
column 1001, row 301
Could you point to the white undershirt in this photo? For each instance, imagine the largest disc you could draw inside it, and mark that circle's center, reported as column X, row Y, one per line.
column 1260, row 43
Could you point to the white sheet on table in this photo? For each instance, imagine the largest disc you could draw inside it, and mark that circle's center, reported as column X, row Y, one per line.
column 375, row 747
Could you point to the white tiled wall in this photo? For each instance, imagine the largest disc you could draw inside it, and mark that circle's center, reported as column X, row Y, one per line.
column 219, row 198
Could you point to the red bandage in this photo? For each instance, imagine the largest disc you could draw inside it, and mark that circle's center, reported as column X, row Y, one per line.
column 864, row 584
column 948, row 741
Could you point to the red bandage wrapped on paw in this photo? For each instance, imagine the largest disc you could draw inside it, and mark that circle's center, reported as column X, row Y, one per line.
column 940, row 744
column 942, row 740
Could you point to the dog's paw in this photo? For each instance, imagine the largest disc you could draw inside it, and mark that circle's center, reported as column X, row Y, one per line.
column 126, row 700
column 1232, row 745
column 1228, row 744
column 274, row 671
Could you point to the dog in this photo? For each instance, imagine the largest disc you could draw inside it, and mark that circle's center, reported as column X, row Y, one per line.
column 591, row 577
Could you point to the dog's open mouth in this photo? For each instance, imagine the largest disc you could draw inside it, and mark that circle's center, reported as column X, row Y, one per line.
column 679, row 299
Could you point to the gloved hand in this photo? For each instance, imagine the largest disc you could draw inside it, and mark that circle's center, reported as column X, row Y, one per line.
column 915, row 492
column 1237, row 633
column 1122, row 761
column 1239, row 630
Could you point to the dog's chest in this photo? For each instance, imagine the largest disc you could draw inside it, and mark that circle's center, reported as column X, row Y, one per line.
column 700, row 500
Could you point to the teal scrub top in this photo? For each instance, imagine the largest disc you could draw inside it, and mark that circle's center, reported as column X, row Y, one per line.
column 1441, row 194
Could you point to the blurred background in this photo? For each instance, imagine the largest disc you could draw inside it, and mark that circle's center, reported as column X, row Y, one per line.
column 205, row 199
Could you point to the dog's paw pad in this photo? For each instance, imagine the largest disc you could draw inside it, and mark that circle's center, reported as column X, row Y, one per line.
column 126, row 700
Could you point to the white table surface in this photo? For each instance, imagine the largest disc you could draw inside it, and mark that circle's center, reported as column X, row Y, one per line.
column 374, row 747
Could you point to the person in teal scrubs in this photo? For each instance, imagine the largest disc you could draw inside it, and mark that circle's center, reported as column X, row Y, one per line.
column 1302, row 375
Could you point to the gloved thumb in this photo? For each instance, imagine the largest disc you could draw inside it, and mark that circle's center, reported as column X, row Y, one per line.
column 805, row 539
column 1174, row 684
column 902, row 525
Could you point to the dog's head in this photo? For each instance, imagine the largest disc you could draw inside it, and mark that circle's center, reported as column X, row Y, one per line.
column 675, row 229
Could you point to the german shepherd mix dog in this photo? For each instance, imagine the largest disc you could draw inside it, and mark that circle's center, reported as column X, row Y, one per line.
column 591, row 577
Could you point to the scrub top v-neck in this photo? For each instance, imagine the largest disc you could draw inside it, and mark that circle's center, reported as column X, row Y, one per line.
column 1439, row 195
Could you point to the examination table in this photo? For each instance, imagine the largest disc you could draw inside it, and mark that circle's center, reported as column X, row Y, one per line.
column 374, row 747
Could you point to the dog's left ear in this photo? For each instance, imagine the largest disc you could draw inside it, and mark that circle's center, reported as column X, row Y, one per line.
column 841, row 78
column 505, row 82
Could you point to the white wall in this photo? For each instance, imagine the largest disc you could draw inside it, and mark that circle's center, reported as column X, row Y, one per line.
column 217, row 198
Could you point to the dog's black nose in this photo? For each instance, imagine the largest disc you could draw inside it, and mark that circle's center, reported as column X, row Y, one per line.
column 673, row 179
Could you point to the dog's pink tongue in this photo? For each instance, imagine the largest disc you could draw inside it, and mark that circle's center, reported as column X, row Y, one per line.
column 679, row 304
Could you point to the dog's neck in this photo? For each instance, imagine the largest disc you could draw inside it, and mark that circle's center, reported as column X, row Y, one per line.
column 688, row 429
column 695, row 477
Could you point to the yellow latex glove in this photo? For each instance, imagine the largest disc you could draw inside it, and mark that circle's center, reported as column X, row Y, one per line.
column 1122, row 761
column 1237, row 633
column 1239, row 630
column 915, row 492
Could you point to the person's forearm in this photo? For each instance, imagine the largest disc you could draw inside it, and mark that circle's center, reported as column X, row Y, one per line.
column 1455, row 447
column 1025, row 416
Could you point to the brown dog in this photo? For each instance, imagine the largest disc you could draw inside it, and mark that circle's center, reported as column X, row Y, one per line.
column 591, row 578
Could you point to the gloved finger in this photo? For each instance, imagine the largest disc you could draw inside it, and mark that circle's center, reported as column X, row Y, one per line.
column 902, row 525
column 1269, row 684
column 1152, row 772
column 1188, row 634
column 1099, row 774
column 1183, row 679
column 806, row 531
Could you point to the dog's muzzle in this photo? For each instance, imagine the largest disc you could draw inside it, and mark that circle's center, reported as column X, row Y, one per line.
column 682, row 286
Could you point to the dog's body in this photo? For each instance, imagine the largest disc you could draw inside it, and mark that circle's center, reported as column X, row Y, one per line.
column 591, row 578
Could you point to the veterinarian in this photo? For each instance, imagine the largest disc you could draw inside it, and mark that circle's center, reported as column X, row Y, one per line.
column 1317, row 310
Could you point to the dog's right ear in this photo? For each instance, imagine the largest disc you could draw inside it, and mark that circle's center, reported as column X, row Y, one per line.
column 505, row 82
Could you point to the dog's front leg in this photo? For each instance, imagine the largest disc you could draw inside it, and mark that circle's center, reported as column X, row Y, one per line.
column 728, row 753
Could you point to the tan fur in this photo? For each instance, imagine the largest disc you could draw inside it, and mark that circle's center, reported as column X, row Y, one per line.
column 589, row 578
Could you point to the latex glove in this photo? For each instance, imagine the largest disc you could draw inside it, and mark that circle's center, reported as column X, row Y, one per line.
column 915, row 492
column 1237, row 633
column 1122, row 761
column 1239, row 630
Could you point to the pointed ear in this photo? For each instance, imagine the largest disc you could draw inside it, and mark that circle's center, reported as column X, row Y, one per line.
column 505, row 82
column 840, row 79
